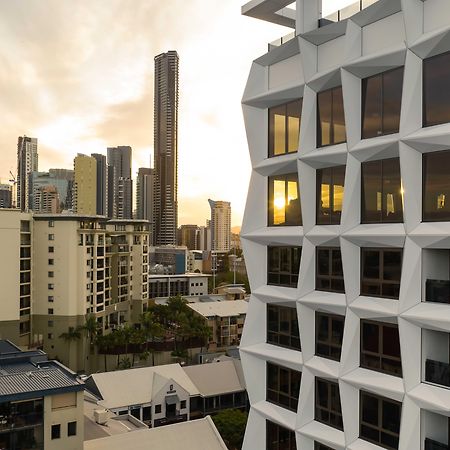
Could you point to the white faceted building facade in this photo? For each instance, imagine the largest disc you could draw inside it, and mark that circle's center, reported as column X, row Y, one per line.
column 347, row 346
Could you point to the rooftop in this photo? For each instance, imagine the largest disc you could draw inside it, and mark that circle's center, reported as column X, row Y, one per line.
column 220, row 309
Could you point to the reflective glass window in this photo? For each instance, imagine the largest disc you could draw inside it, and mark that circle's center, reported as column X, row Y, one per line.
column 329, row 273
column 330, row 195
column 284, row 201
column 330, row 117
column 283, row 386
column 279, row 438
column 328, row 404
column 282, row 326
column 329, row 335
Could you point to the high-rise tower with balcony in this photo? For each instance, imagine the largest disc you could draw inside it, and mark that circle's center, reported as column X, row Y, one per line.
column 27, row 162
column 165, row 193
column 220, row 226
column 346, row 228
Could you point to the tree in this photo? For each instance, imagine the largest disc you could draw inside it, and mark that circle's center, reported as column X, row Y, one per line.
column 231, row 425
column 71, row 335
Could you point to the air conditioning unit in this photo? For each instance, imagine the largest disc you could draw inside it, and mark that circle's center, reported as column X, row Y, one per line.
column 101, row 416
column 438, row 291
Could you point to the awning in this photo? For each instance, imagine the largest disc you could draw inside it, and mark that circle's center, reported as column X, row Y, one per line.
column 172, row 399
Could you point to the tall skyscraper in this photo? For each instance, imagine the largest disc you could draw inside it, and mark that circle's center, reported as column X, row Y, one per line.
column 27, row 162
column 102, row 184
column 61, row 179
column 119, row 160
column 220, row 225
column 144, row 193
column 85, row 184
column 165, row 200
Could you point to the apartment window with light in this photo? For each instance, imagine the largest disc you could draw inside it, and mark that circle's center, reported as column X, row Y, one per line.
column 283, row 265
column 283, row 386
column 381, row 103
column 329, row 335
column 381, row 191
column 284, row 201
column 381, row 271
column 284, row 128
column 282, row 326
column 379, row 420
column 380, row 347
column 330, row 117
column 436, row 90
column 279, row 438
column 330, row 195
column 436, row 186
column 329, row 273
column 328, row 404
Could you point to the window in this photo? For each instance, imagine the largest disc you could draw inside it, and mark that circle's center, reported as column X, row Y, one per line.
column 330, row 195
column 436, row 90
column 50, row 311
column 50, row 287
column 51, row 262
column 381, row 272
column 157, row 409
column 51, row 237
column 328, row 404
column 329, row 334
column 381, row 103
column 330, row 117
column 319, row 446
column 279, row 438
column 51, row 223
column 50, row 336
column 283, row 386
column 183, row 404
column 51, row 298
column 282, row 326
column 329, row 273
column 72, row 429
column 284, row 128
column 381, row 191
column 51, row 249
column 436, row 187
column 284, row 200
column 56, row 431
column 283, row 265
column 379, row 420
column 51, row 274
column 380, row 347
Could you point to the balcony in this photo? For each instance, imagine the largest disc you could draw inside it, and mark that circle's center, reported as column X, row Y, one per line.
column 437, row 372
column 430, row 444
column 437, row 291
column 346, row 13
column 279, row 42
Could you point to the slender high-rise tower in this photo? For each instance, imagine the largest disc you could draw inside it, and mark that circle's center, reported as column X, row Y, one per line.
column 144, row 193
column 102, row 184
column 27, row 162
column 220, row 225
column 165, row 200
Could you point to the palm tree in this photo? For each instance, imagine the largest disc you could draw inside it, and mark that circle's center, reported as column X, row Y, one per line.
column 71, row 335
column 91, row 328
column 151, row 329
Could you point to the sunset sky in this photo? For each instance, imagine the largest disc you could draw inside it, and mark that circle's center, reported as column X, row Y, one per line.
column 78, row 75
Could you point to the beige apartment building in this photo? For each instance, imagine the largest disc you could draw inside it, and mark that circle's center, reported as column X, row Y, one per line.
column 85, row 185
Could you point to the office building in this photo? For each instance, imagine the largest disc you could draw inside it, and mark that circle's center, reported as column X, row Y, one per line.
column 5, row 196
column 101, row 184
column 220, row 226
column 46, row 200
column 165, row 195
column 189, row 236
column 27, row 162
column 85, row 185
column 144, row 193
column 119, row 161
column 41, row 402
column 169, row 260
column 346, row 229
column 186, row 285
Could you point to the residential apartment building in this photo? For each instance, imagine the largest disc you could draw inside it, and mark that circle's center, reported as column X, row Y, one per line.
column 41, row 402
column 85, row 185
column 189, row 236
column 220, row 226
column 346, row 230
column 186, row 285
column 27, row 162
column 144, row 193
column 101, row 184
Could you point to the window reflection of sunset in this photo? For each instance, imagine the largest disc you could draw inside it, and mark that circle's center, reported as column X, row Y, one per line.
column 338, row 197
column 279, row 202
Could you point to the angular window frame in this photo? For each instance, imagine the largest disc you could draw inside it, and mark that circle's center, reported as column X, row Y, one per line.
column 328, row 408
column 289, row 338
column 286, row 254
column 328, row 343
column 271, row 126
column 334, row 217
column 335, row 91
column 286, row 178
column 320, row 446
column 331, row 277
column 274, row 444
column 275, row 393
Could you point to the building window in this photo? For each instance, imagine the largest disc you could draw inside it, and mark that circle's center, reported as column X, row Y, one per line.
column 436, row 90
column 283, row 265
column 50, row 287
column 381, row 272
column 50, row 311
column 56, row 431
column 380, row 420
column 50, row 336
column 436, row 187
column 380, row 347
column 183, row 404
column 329, row 273
column 51, row 262
column 328, row 404
column 51, row 237
column 282, row 326
column 51, row 224
column 329, row 334
column 51, row 249
column 381, row 103
column 157, row 409
column 319, row 446
column 51, row 274
column 279, row 438
column 51, row 298
column 283, row 386
column 330, row 195
column 330, row 117
column 284, row 128
column 284, row 200
column 381, row 191
column 72, row 429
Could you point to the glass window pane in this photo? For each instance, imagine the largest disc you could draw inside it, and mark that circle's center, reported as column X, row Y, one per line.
column 337, row 263
column 339, row 134
column 323, row 196
column 371, row 183
column 392, row 265
column 338, row 193
column 293, row 112
column 279, row 202
column 323, row 262
column 277, row 131
column 371, row 107
column 436, row 90
column 391, row 341
column 322, row 328
column 337, row 331
column 371, row 264
column 391, row 417
column 324, row 107
column 392, row 100
column 369, row 409
column 392, row 191
column 370, row 337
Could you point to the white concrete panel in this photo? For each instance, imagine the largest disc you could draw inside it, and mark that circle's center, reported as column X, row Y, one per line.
column 285, row 73
column 330, row 54
column 436, row 14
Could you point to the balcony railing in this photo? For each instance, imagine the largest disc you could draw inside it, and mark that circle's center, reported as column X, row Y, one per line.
column 282, row 40
column 346, row 12
column 437, row 372
column 430, row 444
column 437, row 291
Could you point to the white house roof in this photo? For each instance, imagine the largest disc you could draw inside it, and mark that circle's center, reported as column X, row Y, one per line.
column 191, row 435
column 220, row 309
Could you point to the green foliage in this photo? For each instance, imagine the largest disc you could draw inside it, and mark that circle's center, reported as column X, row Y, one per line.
column 124, row 363
column 72, row 334
column 231, row 425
